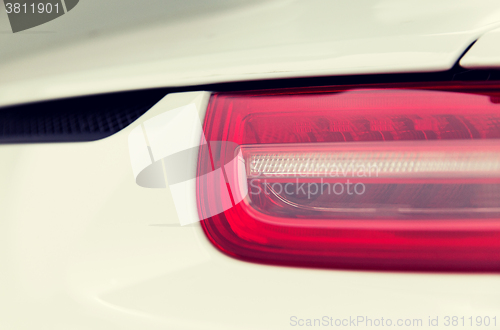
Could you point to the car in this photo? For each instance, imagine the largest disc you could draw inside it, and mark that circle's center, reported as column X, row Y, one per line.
column 243, row 164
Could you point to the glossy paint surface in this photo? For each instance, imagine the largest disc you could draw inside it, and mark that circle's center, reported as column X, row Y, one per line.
column 260, row 40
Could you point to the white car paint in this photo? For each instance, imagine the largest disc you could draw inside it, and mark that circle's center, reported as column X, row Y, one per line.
column 266, row 40
column 82, row 246
column 485, row 53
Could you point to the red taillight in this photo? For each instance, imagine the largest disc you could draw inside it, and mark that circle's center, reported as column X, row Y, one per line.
column 402, row 177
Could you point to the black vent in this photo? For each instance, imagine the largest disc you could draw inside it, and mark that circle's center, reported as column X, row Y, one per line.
column 77, row 119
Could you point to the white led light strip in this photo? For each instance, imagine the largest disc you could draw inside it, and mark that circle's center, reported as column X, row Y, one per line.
column 420, row 159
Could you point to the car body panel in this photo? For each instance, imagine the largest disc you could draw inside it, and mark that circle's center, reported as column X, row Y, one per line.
column 266, row 40
column 485, row 53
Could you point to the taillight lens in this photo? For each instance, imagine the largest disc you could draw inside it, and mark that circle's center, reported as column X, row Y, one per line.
column 403, row 177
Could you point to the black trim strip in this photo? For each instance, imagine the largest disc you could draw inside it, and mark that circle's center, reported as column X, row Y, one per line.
column 77, row 119
column 95, row 117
